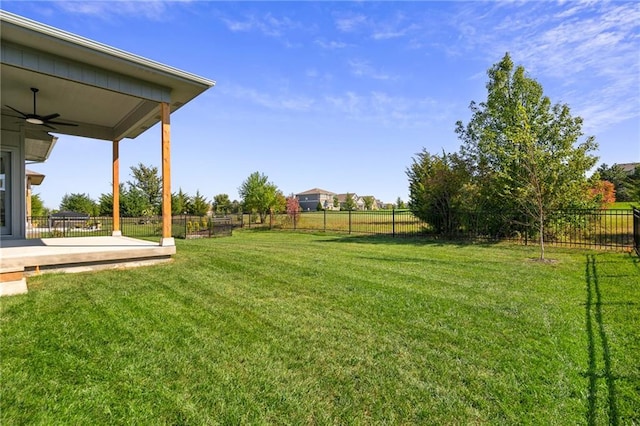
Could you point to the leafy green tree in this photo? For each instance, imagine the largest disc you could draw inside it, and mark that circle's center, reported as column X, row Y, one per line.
column 221, row 204
column 524, row 149
column 147, row 180
column 319, row 207
column 349, row 202
column 618, row 177
column 105, row 202
column 280, row 203
column 135, row 203
column 437, row 188
column 633, row 186
column 199, row 205
column 336, row 202
column 236, row 207
column 180, row 202
column 400, row 204
column 37, row 206
column 81, row 203
column 368, row 202
column 258, row 194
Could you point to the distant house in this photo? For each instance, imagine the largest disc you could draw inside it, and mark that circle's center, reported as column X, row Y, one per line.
column 376, row 204
column 628, row 168
column 342, row 199
column 309, row 200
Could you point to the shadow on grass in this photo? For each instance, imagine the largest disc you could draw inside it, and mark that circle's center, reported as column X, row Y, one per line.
column 406, row 240
column 595, row 331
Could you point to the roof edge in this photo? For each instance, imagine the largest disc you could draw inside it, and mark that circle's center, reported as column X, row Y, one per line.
column 59, row 34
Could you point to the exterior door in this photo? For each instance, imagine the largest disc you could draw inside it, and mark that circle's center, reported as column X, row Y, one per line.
column 5, row 192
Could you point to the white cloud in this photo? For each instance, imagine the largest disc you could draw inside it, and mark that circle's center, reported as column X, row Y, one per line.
column 351, row 23
column 330, row 45
column 268, row 25
column 362, row 68
column 381, row 107
column 273, row 101
column 154, row 10
column 585, row 53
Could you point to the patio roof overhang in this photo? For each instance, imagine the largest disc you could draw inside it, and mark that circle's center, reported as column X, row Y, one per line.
column 108, row 93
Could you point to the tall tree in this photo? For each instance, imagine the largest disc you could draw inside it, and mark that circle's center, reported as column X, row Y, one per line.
column 147, row 180
column 105, row 202
column 221, row 204
column 524, row 149
column 81, row 203
column 618, row 177
column 258, row 194
column 37, row 206
column 349, row 202
column 368, row 202
column 436, row 189
column 199, row 205
column 633, row 185
column 400, row 204
column 180, row 202
column 135, row 203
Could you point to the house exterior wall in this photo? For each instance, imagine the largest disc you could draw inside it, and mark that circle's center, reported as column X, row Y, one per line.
column 13, row 143
column 309, row 201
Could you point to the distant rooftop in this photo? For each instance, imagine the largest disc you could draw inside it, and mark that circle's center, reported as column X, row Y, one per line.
column 316, row 191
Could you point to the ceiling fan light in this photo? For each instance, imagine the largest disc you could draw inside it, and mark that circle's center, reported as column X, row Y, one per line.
column 34, row 120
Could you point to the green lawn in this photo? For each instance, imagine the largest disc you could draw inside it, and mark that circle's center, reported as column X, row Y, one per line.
column 624, row 205
column 284, row 328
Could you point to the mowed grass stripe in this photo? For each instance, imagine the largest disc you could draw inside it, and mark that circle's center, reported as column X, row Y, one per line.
column 266, row 328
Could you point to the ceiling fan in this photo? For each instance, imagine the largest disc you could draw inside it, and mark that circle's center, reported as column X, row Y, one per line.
column 42, row 120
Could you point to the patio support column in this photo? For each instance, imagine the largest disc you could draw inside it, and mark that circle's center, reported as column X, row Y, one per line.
column 29, row 199
column 115, row 171
column 166, row 239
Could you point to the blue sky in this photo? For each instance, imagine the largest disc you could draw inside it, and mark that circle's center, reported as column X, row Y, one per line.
column 342, row 95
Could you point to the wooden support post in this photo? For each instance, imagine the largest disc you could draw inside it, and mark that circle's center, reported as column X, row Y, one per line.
column 29, row 194
column 166, row 240
column 115, row 176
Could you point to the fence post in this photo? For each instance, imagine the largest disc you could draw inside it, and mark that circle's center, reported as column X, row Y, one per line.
column 349, row 221
column 324, row 224
column 393, row 222
column 636, row 229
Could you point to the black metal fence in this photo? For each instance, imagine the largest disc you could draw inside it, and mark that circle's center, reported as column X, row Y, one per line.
column 183, row 226
column 600, row 228
column 636, row 230
column 614, row 229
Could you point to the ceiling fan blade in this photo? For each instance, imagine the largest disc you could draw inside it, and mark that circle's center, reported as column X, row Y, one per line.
column 19, row 112
column 46, row 125
column 60, row 123
column 49, row 117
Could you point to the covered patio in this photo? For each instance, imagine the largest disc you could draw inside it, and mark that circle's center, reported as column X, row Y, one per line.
column 56, row 82
column 22, row 258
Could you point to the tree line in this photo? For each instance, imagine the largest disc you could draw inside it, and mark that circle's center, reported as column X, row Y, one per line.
column 142, row 197
column 521, row 159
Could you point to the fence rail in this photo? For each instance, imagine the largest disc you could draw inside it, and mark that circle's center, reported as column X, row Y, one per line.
column 613, row 229
column 182, row 226
column 600, row 228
